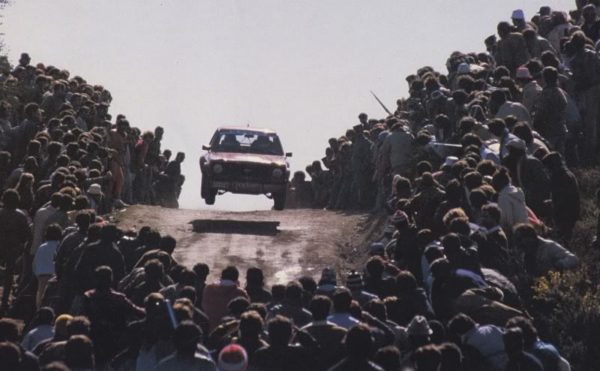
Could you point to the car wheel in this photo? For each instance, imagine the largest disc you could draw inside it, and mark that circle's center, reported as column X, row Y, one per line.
column 208, row 194
column 279, row 201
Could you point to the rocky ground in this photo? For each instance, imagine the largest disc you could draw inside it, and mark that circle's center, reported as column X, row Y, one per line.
column 285, row 244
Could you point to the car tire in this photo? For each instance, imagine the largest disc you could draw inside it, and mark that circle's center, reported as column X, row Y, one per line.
column 279, row 201
column 208, row 194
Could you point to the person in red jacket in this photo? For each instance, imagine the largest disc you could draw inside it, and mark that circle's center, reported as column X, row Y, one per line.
column 217, row 295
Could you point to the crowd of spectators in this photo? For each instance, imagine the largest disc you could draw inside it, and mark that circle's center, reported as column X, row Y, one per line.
column 537, row 81
column 64, row 161
column 471, row 169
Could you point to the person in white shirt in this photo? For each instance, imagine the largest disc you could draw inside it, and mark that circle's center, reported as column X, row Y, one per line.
column 43, row 261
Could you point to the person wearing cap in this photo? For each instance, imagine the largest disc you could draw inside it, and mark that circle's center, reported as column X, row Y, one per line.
column 355, row 284
column 527, row 173
column 404, row 240
column 186, row 358
column 518, row 19
column 531, row 90
column 463, row 69
column 444, row 175
column 97, row 199
column 327, row 283
column 419, row 334
column 233, row 358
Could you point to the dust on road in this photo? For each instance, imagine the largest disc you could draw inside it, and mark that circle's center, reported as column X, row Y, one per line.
column 284, row 244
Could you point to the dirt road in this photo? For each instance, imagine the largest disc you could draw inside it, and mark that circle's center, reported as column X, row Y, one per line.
column 285, row 244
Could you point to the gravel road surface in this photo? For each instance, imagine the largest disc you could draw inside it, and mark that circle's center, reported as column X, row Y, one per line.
column 285, row 244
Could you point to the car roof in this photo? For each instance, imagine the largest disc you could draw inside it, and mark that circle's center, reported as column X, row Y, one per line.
column 241, row 128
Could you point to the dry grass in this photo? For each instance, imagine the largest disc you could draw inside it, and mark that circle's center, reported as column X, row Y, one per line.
column 566, row 306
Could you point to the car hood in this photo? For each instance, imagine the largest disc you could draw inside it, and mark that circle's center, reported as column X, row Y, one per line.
column 253, row 158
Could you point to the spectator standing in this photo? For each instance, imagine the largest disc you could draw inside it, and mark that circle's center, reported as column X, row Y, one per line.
column 14, row 233
column 43, row 261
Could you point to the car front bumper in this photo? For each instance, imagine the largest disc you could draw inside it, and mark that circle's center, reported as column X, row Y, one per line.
column 247, row 187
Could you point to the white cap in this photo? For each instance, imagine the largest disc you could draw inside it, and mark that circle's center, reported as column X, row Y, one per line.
column 450, row 160
column 95, row 189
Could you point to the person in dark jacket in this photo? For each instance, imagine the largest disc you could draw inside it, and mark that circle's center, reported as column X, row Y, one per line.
column 9, row 333
column 512, row 49
column 280, row 355
column 413, row 299
column 255, row 282
column 585, row 66
column 527, row 173
column 359, row 344
column 328, row 335
column 102, row 252
column 14, row 233
column 565, row 195
column 108, row 311
column 545, row 352
column 518, row 358
column 550, row 118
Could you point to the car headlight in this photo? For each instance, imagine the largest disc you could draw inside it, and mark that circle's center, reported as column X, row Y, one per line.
column 217, row 169
column 277, row 173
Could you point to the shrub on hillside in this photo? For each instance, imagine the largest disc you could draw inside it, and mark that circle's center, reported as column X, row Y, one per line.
column 566, row 308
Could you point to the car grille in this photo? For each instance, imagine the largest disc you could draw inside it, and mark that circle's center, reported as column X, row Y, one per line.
column 247, row 172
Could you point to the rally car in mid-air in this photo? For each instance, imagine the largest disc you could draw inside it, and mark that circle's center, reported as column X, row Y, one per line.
column 247, row 161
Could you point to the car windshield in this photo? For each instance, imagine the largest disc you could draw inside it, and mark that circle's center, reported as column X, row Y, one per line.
column 241, row 141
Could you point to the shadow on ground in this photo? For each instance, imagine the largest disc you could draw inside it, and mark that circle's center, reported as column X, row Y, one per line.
column 257, row 228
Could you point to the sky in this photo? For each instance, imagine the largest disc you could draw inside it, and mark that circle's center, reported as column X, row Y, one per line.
column 303, row 68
